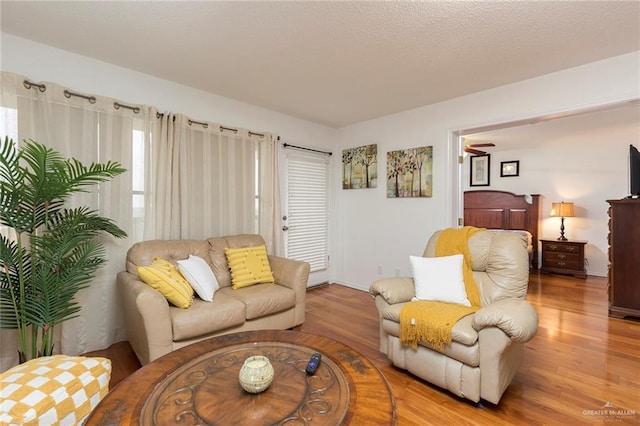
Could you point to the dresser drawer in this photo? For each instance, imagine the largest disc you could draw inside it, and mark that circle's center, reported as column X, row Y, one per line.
column 564, row 264
column 559, row 247
column 560, row 256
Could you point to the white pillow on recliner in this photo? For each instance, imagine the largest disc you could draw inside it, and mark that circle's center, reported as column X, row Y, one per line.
column 198, row 273
column 439, row 279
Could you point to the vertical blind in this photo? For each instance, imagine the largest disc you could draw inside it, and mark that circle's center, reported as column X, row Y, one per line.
column 307, row 237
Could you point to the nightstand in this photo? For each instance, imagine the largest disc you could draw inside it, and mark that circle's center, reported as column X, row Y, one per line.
column 563, row 257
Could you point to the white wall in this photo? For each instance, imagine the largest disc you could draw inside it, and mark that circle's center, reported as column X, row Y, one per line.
column 376, row 233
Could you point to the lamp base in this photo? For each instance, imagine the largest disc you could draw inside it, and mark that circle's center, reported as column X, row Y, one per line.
column 562, row 237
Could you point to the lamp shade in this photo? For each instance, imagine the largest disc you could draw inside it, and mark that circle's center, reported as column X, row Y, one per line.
column 562, row 209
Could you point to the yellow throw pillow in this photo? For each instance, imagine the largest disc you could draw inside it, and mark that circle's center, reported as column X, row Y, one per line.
column 167, row 279
column 248, row 265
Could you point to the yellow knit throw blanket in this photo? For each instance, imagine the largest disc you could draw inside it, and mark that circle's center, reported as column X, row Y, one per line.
column 429, row 321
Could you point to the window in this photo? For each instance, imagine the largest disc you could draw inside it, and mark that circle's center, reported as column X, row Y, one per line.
column 9, row 123
column 8, row 128
column 137, row 184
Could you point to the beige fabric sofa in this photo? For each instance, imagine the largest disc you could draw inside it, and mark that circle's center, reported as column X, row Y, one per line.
column 156, row 328
column 487, row 347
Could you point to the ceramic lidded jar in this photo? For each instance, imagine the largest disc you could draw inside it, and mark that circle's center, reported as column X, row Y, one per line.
column 256, row 374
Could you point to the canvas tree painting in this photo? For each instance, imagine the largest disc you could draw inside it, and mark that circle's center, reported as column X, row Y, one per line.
column 360, row 167
column 410, row 172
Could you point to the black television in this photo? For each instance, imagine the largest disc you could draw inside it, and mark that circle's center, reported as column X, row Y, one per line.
column 634, row 172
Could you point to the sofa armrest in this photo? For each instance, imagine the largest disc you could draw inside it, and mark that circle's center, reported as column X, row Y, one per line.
column 394, row 290
column 516, row 318
column 293, row 274
column 147, row 317
column 290, row 273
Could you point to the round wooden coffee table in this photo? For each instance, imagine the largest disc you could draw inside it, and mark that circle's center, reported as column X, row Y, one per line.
column 198, row 384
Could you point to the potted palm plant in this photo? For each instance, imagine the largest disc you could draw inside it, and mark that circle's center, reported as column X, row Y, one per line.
column 49, row 252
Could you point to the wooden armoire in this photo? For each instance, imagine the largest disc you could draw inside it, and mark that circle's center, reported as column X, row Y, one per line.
column 624, row 258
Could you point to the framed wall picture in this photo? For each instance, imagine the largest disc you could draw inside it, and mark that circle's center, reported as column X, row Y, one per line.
column 360, row 167
column 509, row 168
column 410, row 172
column 480, row 170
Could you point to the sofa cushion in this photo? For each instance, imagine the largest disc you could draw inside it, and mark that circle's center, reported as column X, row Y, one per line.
column 500, row 264
column 142, row 253
column 263, row 299
column 167, row 279
column 439, row 279
column 204, row 318
column 199, row 274
column 466, row 354
column 248, row 265
column 464, row 338
column 462, row 331
column 218, row 259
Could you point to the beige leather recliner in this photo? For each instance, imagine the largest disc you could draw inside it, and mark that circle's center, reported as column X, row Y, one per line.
column 487, row 346
column 155, row 327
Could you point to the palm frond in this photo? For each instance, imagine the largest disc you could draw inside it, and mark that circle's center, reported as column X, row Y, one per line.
column 55, row 299
column 10, row 162
column 42, row 183
column 12, row 178
column 80, row 176
column 82, row 220
column 15, row 271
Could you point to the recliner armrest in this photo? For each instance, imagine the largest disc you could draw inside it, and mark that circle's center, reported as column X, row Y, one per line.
column 394, row 290
column 514, row 317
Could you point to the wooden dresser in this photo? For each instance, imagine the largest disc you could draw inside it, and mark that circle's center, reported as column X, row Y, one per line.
column 563, row 257
column 624, row 258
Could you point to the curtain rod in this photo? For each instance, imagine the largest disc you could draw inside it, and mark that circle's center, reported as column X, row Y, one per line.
column 92, row 100
column 68, row 94
column 206, row 125
column 286, row 145
column 202, row 123
column 28, row 84
column 117, row 105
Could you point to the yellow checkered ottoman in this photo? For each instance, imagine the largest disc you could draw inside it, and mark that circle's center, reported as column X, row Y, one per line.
column 53, row 390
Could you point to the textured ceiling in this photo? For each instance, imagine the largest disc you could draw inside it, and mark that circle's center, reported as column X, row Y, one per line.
column 335, row 63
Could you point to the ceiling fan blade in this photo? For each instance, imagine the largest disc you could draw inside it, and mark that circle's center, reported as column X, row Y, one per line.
column 482, row 144
column 473, row 151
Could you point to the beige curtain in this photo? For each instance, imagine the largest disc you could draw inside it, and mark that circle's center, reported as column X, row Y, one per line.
column 210, row 180
column 161, row 189
column 270, row 202
column 91, row 131
column 184, row 179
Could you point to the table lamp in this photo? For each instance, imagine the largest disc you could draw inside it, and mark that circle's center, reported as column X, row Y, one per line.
column 562, row 210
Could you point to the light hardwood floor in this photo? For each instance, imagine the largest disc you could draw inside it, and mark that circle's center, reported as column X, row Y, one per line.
column 582, row 367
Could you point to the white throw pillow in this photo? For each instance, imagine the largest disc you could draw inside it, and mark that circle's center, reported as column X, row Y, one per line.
column 439, row 279
column 196, row 270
